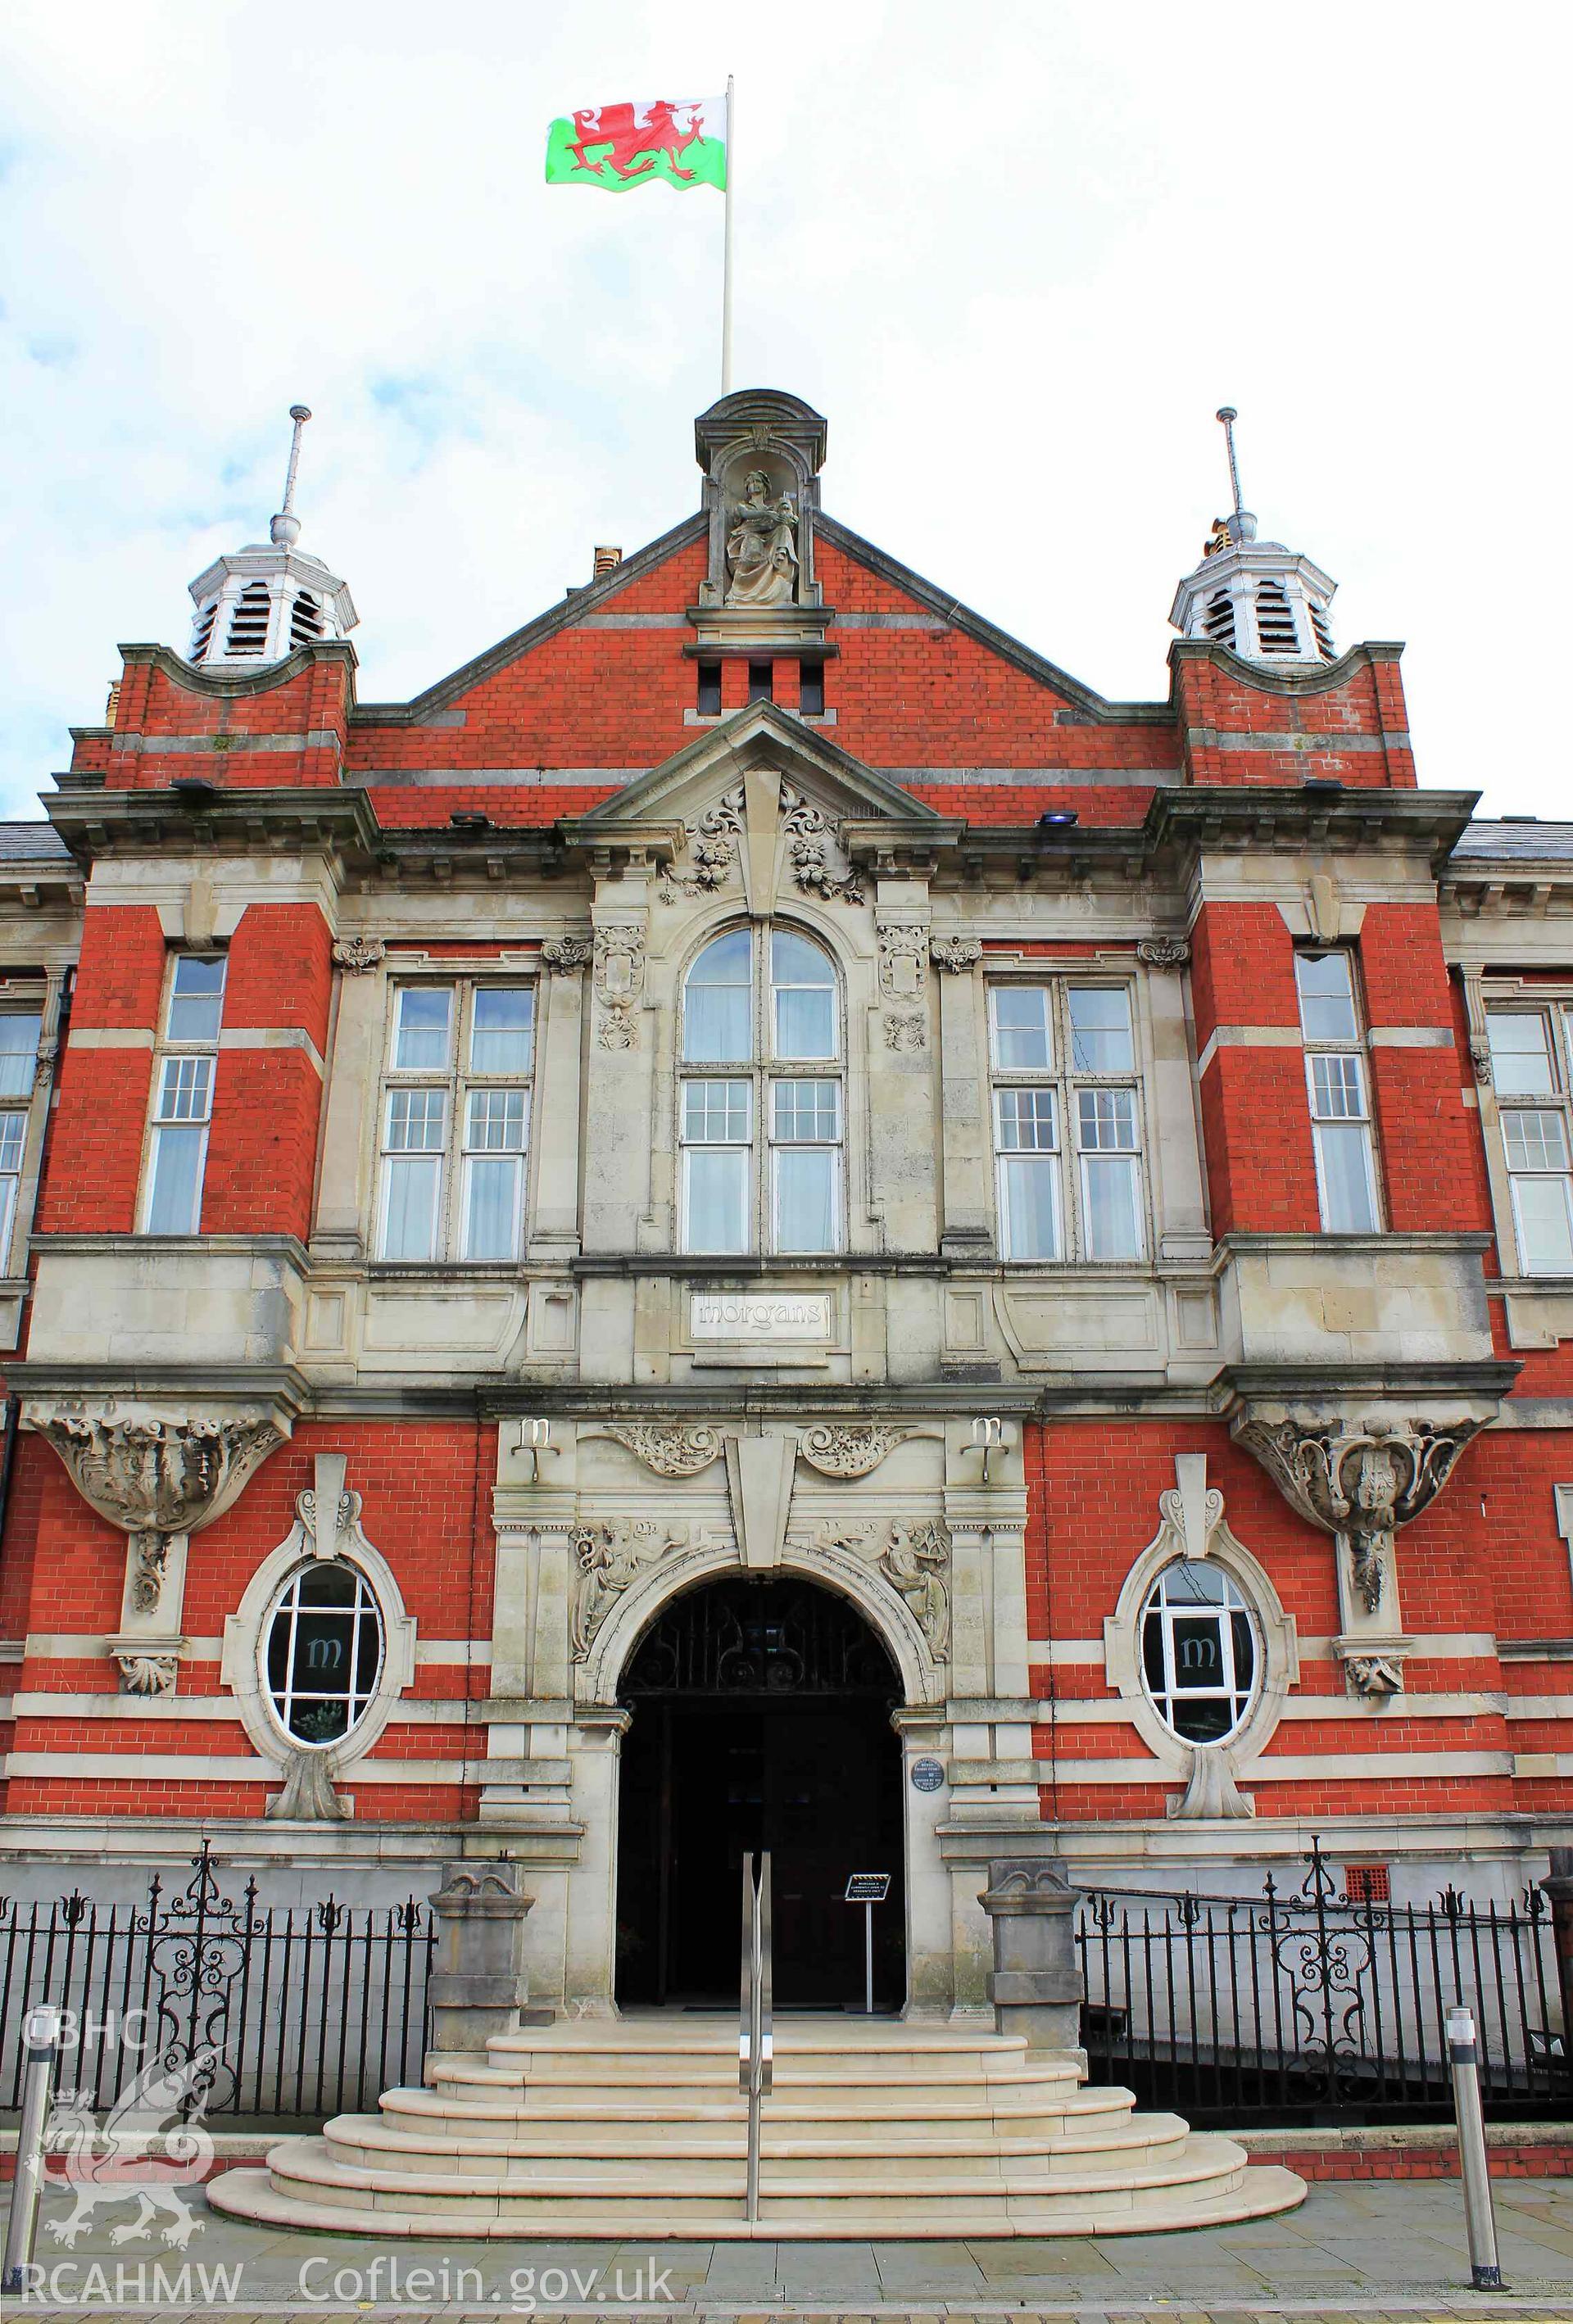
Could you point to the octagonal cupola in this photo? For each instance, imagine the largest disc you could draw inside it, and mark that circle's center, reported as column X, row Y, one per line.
column 258, row 604
column 1264, row 602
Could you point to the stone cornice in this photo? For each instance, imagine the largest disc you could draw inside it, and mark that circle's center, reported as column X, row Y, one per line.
column 1313, row 677
column 282, row 818
column 235, row 684
column 1316, row 1383
column 1230, row 818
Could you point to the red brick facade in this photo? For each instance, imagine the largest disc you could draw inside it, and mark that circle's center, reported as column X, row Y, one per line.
column 542, row 732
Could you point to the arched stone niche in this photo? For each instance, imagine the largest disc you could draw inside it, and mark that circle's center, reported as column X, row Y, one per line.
column 783, row 439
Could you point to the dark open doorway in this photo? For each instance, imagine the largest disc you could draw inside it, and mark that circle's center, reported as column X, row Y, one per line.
column 760, row 1720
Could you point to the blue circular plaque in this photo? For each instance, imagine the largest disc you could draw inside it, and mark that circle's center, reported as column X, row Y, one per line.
column 927, row 1775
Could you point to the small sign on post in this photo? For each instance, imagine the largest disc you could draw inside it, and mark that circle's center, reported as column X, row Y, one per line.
column 867, row 1889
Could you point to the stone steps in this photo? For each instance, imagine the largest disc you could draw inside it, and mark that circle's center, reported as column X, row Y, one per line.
column 714, row 2152
column 637, row 2129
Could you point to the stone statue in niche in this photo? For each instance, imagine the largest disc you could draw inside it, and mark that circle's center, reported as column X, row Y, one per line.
column 762, row 555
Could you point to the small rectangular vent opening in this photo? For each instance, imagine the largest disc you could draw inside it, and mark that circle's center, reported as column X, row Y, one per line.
column 761, row 681
column 811, row 688
column 1367, row 1884
column 709, row 702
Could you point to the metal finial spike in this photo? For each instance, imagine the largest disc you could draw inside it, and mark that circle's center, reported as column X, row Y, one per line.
column 285, row 528
column 1228, row 415
column 300, row 413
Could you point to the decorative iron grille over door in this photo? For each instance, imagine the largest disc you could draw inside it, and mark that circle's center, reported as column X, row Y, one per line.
column 761, row 1638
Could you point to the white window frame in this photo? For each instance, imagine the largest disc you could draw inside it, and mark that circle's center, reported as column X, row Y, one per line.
column 1553, row 1014
column 456, row 1079
column 1069, row 1161
column 1353, row 1048
column 358, row 1698
column 181, row 1060
column 1233, row 1601
column 762, row 1072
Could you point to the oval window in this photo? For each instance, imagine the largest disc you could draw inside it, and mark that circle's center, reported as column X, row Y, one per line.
column 1200, row 1653
column 324, row 1652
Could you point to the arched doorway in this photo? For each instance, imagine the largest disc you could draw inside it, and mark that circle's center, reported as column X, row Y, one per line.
column 761, row 1719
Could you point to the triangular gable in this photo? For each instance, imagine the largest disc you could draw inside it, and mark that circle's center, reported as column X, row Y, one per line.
column 763, row 798
column 763, row 736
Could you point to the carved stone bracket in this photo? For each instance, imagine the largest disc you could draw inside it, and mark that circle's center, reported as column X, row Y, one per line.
column 144, row 1670
column 712, row 849
column 838, row 1449
column 309, row 1795
column 1211, row 1794
column 812, row 852
column 160, row 1476
column 955, row 955
column 358, row 955
column 1360, row 1481
column 566, row 955
column 672, row 1448
column 619, row 964
column 1164, row 952
column 1372, row 1669
column 158, row 1480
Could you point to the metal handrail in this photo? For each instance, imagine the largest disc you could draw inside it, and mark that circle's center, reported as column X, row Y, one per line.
column 755, row 2033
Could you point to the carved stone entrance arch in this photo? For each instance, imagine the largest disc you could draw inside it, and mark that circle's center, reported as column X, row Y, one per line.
column 598, row 1678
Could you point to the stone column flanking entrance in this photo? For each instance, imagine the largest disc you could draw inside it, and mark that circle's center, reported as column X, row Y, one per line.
column 1037, row 1987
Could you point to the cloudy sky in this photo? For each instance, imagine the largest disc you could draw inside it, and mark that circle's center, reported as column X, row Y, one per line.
column 1017, row 253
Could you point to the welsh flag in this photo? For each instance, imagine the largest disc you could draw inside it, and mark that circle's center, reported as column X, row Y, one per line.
column 617, row 146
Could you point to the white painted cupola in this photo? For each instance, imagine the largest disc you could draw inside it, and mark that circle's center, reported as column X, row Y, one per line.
column 260, row 603
column 1264, row 601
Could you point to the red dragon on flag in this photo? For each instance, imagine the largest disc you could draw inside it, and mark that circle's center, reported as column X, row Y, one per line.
column 640, row 135
column 680, row 142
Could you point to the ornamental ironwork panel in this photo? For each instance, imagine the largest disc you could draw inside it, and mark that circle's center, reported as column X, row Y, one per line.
column 1305, row 2006
column 741, row 1637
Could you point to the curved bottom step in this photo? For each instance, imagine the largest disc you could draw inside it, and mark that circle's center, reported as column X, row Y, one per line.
column 1264, row 2189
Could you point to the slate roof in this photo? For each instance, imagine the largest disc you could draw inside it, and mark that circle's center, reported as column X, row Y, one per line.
column 1516, row 841
column 33, row 842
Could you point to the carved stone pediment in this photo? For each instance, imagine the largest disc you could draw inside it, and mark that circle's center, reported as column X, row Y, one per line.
column 704, row 776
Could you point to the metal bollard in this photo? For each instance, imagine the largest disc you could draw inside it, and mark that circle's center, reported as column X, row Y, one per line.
column 41, row 2032
column 1479, row 2219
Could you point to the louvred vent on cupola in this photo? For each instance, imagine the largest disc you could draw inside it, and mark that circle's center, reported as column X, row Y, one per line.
column 1219, row 619
column 1324, row 634
column 203, row 631
column 248, row 624
column 1275, row 630
column 305, row 620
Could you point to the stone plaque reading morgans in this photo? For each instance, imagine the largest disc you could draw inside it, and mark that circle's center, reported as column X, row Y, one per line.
column 761, row 1315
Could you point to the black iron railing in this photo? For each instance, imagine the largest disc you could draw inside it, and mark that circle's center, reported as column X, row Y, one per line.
column 268, row 2013
column 1303, row 2007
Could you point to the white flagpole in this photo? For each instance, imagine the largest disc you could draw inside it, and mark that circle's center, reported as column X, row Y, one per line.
column 726, row 245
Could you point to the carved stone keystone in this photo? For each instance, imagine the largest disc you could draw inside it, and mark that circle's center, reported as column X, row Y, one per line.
column 478, row 1984
column 1037, row 1987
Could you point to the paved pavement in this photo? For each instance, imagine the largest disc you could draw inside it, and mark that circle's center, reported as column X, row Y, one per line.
column 1383, row 2248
